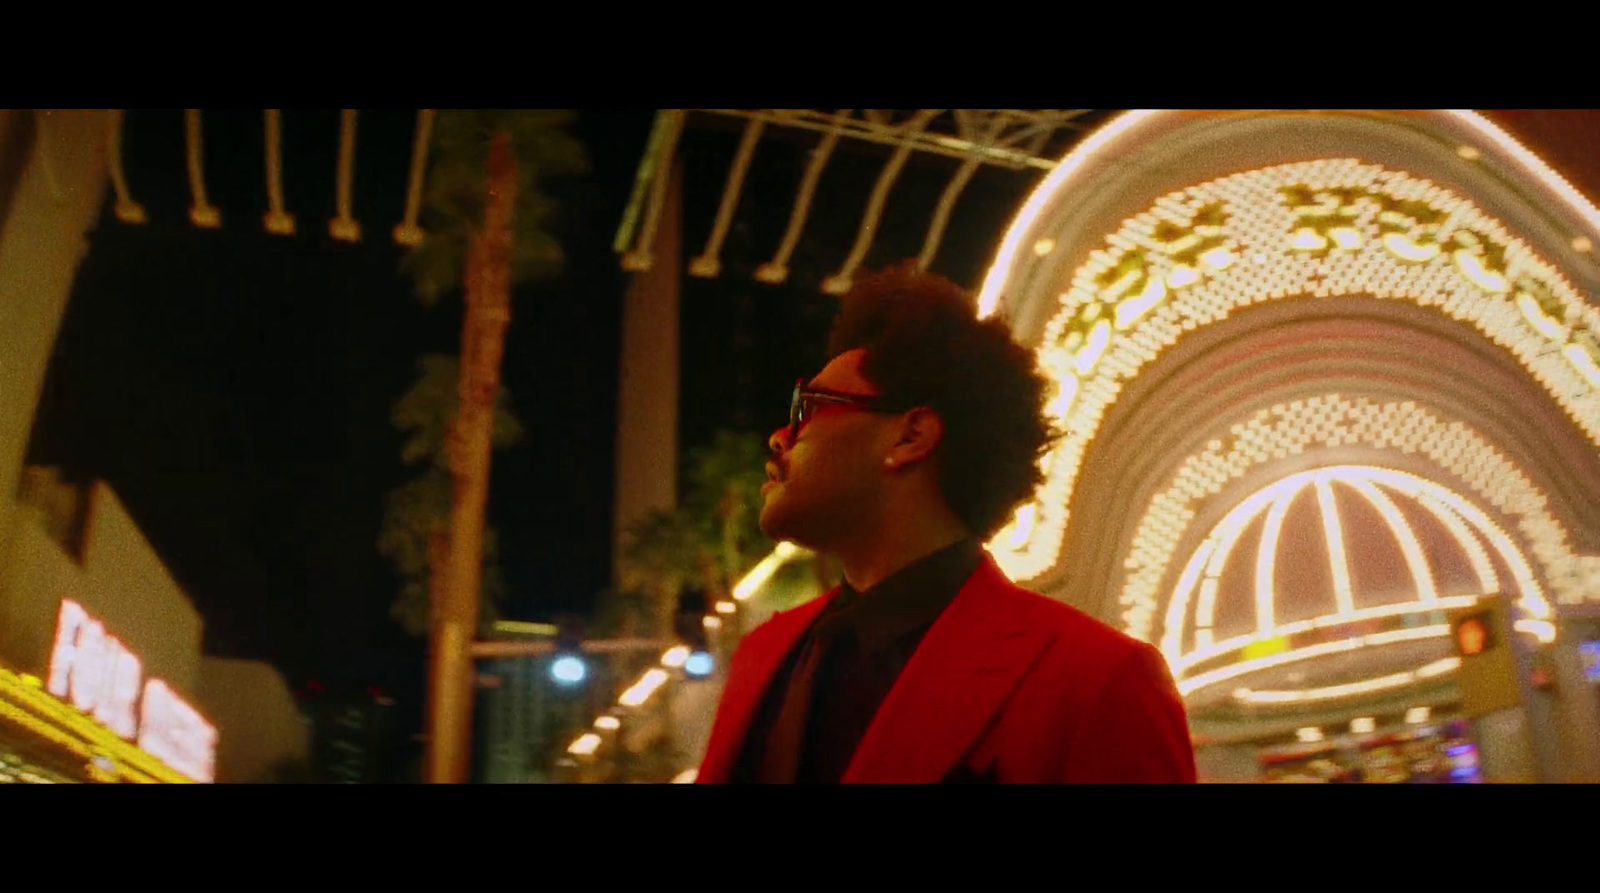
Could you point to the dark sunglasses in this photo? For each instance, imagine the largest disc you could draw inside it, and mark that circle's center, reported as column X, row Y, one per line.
column 806, row 399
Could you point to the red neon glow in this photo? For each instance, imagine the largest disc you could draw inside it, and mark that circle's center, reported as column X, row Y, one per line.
column 1473, row 637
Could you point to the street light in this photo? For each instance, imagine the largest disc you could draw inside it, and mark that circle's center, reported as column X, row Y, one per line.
column 699, row 665
column 569, row 668
column 694, row 655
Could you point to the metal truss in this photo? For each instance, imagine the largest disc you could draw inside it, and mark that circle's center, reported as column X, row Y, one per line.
column 1024, row 140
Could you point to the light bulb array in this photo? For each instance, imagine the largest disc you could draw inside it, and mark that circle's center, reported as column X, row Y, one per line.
column 1208, row 661
column 24, row 701
column 1323, row 228
column 1212, row 557
column 1390, row 682
column 1333, row 420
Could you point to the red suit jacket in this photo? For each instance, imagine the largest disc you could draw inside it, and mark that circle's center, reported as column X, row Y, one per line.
column 1007, row 684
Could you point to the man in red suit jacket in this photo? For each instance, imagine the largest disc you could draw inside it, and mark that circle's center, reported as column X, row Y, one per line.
column 911, row 447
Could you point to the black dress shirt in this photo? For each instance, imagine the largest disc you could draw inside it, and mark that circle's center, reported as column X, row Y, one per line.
column 822, row 699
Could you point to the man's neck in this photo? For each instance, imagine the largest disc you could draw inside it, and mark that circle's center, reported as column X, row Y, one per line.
column 870, row 562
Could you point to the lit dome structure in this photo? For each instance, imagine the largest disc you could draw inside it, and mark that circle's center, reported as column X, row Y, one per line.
column 1323, row 378
column 1352, row 566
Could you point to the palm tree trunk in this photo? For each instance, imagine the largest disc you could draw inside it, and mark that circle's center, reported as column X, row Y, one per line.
column 457, row 588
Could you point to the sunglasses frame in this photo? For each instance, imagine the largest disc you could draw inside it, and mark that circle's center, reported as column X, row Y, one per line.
column 803, row 393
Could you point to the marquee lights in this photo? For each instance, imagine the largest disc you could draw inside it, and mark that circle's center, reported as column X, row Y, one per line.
column 1583, row 359
column 1461, row 518
column 1246, row 645
column 1274, row 497
column 1543, row 324
column 1195, row 683
column 24, row 701
column 1338, row 559
column 1328, row 227
column 1334, row 420
column 1439, row 667
column 1410, row 547
column 1488, row 579
column 1543, row 630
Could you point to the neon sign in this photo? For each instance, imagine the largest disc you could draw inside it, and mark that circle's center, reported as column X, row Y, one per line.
column 96, row 673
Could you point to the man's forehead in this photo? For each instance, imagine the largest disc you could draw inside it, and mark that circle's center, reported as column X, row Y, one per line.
column 843, row 373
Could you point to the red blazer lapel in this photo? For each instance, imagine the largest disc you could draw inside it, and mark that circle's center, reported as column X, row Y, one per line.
column 958, row 678
column 749, row 674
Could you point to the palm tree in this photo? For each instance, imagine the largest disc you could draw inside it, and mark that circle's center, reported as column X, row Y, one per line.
column 710, row 540
column 485, row 218
column 725, row 479
column 417, row 513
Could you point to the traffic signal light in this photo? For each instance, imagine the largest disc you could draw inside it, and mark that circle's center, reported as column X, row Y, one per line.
column 568, row 666
column 1475, row 634
column 1482, row 637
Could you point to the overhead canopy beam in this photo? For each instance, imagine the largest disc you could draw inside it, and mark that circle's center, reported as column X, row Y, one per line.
column 1018, row 140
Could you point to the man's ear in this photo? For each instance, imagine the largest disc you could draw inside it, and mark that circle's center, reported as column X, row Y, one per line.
column 919, row 435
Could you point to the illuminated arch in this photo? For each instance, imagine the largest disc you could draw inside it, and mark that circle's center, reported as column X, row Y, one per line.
column 1332, row 421
column 1370, row 482
column 1327, row 227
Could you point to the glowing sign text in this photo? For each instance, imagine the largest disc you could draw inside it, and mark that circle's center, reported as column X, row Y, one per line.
column 96, row 673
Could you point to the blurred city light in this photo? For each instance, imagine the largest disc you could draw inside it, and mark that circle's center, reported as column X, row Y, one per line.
column 585, row 745
column 1309, row 735
column 758, row 575
column 712, row 622
column 519, row 627
column 1442, row 665
column 1417, row 715
column 643, row 689
column 675, row 656
column 1543, row 630
column 608, row 723
column 1363, row 725
column 687, row 776
column 568, row 669
column 726, row 607
column 699, row 665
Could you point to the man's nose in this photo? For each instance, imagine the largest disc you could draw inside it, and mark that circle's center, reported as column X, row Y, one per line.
column 779, row 441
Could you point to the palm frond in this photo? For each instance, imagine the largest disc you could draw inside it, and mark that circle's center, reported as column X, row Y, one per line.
column 453, row 198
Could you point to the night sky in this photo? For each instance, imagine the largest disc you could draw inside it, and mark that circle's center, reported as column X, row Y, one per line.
column 234, row 387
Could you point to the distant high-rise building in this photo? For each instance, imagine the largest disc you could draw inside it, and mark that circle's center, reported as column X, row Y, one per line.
column 352, row 736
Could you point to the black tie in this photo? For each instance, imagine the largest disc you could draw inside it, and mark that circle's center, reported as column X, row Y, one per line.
column 780, row 761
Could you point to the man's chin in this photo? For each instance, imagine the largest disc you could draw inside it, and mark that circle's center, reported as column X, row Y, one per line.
column 772, row 519
column 770, row 526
